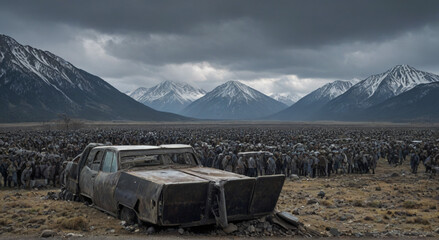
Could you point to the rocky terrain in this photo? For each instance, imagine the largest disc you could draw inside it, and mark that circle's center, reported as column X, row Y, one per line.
column 391, row 203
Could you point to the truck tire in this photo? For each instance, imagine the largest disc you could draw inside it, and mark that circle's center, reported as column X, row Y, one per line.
column 128, row 215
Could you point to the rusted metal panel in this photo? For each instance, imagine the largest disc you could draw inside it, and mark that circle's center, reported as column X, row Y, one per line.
column 238, row 195
column 184, row 203
column 86, row 181
column 148, row 204
column 266, row 193
column 213, row 174
column 140, row 195
column 126, row 190
column 103, row 192
column 167, row 176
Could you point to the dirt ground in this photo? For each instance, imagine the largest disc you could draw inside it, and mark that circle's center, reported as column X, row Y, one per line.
column 391, row 203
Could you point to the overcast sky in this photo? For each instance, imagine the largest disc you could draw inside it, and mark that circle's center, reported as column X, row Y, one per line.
column 274, row 46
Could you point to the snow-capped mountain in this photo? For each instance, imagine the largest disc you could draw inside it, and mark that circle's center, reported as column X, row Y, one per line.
column 380, row 87
column 418, row 104
column 233, row 100
column 168, row 96
column 285, row 98
column 37, row 85
column 308, row 106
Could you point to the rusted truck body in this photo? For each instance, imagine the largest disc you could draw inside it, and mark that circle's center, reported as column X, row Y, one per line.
column 166, row 185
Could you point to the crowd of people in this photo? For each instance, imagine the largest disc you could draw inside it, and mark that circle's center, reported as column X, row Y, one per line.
column 29, row 155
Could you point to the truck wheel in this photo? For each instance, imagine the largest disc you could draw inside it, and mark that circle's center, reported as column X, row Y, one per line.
column 128, row 215
column 69, row 196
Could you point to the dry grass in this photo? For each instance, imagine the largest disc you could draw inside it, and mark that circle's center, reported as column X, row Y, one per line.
column 358, row 203
column 411, row 204
column 5, row 222
column 18, row 204
column 375, row 204
column 75, row 223
column 419, row 220
column 353, row 203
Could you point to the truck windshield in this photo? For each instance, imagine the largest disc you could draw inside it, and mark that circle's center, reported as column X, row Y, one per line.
column 133, row 159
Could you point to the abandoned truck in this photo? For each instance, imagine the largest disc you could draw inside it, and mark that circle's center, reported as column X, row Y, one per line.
column 166, row 185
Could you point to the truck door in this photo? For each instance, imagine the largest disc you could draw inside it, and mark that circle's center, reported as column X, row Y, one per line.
column 89, row 173
column 105, row 183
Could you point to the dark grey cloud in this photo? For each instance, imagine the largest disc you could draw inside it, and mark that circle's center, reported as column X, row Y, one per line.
column 306, row 22
column 208, row 42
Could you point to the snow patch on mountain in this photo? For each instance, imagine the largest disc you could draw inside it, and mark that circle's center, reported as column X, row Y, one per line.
column 285, row 98
column 168, row 96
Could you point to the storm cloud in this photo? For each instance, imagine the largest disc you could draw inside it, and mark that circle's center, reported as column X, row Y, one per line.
column 274, row 46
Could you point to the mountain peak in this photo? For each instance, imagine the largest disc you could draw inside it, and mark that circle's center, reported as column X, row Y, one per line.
column 235, row 83
column 168, row 84
column 4, row 39
column 168, row 96
column 233, row 100
column 402, row 68
column 235, row 89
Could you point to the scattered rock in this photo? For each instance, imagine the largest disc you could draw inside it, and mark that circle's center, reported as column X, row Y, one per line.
column 294, row 177
column 251, row 229
column 289, row 218
column 48, row 233
column 345, row 217
column 150, row 230
column 181, row 231
column 230, row 228
column 74, row 235
column 51, row 196
column 321, row 194
column 312, row 201
column 378, row 189
column 394, row 175
column 437, row 230
column 334, row 232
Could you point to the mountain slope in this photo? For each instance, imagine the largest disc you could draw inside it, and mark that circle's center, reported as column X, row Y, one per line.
column 418, row 104
column 286, row 99
column 168, row 96
column 233, row 100
column 308, row 106
column 37, row 85
column 376, row 89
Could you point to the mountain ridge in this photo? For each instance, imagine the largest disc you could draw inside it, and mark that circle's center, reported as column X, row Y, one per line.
column 37, row 85
column 380, row 87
